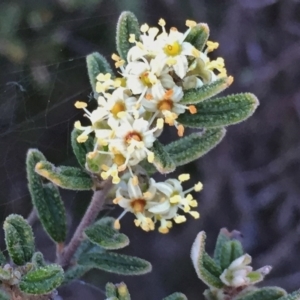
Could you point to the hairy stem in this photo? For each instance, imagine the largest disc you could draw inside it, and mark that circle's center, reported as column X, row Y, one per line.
column 88, row 218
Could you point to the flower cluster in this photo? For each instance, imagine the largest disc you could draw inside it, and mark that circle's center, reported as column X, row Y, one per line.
column 133, row 109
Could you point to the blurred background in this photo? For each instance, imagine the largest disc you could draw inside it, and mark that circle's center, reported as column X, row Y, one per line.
column 251, row 180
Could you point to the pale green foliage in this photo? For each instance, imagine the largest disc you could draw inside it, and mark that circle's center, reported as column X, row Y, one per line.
column 38, row 260
column 103, row 234
column 116, row 263
column 96, row 64
column 65, row 177
column 19, row 239
column 162, row 159
column 267, row 293
column 127, row 24
column 198, row 36
column 46, row 199
column 176, row 296
column 221, row 111
column 42, row 280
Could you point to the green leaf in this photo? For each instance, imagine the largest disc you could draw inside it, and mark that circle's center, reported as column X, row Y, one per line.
column 194, row 96
column 19, row 239
column 81, row 149
column 110, row 290
column 195, row 145
column 38, row 260
column 2, row 258
column 220, row 111
column 65, row 177
column 198, row 36
column 255, row 277
column 293, row 296
column 74, row 272
column 3, row 295
column 96, row 64
column 85, row 247
column 230, row 251
column 176, row 296
column 267, row 293
column 116, row 263
column 223, row 237
column 197, row 256
column 46, row 199
column 210, row 265
column 162, row 160
column 42, row 280
column 127, row 24
column 4, row 274
column 103, row 234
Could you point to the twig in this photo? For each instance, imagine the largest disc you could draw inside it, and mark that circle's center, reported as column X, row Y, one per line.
column 33, row 217
column 88, row 218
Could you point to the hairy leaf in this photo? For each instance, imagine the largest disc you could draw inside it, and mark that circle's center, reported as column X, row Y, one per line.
column 4, row 295
column 221, row 111
column 65, row 177
column 96, row 64
column 75, row 272
column 116, row 263
column 267, row 293
column 162, row 160
column 19, row 239
column 198, row 36
column 38, row 260
column 176, row 296
column 197, row 256
column 293, row 296
column 103, row 234
column 194, row 96
column 195, row 145
column 110, row 290
column 42, row 280
column 127, row 24
column 81, row 149
column 230, row 251
column 223, row 237
column 4, row 274
column 211, row 266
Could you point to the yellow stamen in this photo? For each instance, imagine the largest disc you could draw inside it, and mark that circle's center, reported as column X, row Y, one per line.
column 82, row 138
column 118, row 107
column 195, row 214
column 115, row 57
column 119, row 63
column 162, row 22
column 80, row 105
column 116, row 179
column 150, row 157
column 131, row 38
column 192, row 109
column 144, row 28
column 105, row 167
column 190, row 23
column 230, row 80
column 184, row 177
column 195, row 52
column 103, row 77
column 165, row 105
column 160, row 123
column 180, row 130
column 135, row 180
column 198, row 187
column 172, row 49
column 117, row 224
column 211, row 46
column 117, row 200
column 163, row 230
column 77, row 125
column 175, row 199
column 179, row 219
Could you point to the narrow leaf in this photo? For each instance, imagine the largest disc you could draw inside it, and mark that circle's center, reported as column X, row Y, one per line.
column 221, row 111
column 19, row 239
column 103, row 234
column 42, row 280
column 81, row 149
column 46, row 199
column 198, row 36
column 127, row 24
column 195, row 145
column 210, row 265
column 110, row 290
column 194, row 96
column 65, row 177
column 176, row 296
column 96, row 64
column 74, row 272
column 162, row 160
column 116, row 263
column 230, row 251
column 267, row 293
column 223, row 237
column 197, row 254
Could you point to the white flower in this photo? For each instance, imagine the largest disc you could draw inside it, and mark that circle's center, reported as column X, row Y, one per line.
column 118, row 105
column 133, row 200
column 174, row 50
column 133, row 140
column 236, row 274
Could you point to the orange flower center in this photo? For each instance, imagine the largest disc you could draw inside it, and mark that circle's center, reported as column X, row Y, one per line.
column 165, row 104
column 145, row 79
column 118, row 107
column 138, row 205
column 119, row 159
column 133, row 136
